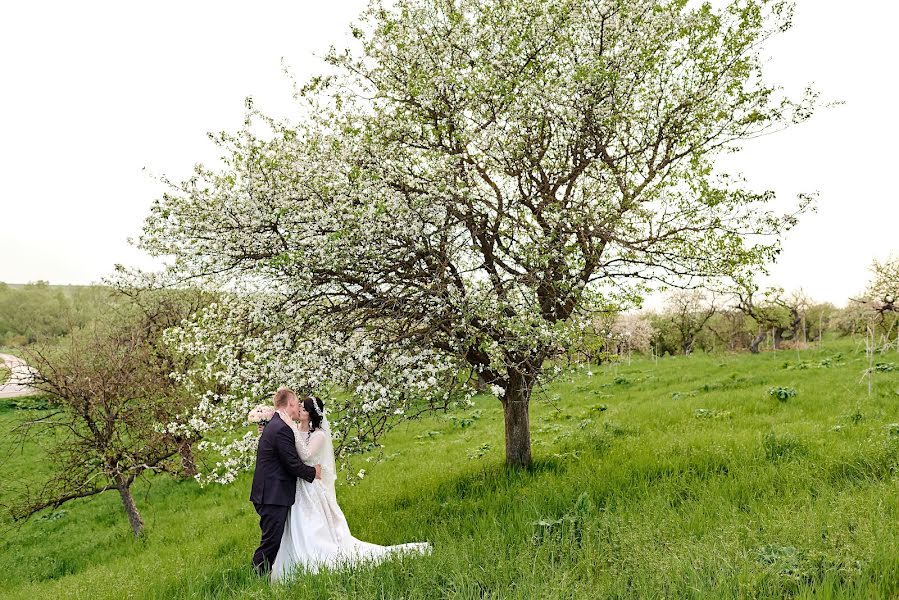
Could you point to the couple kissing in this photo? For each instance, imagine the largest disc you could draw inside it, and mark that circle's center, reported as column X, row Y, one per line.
column 302, row 525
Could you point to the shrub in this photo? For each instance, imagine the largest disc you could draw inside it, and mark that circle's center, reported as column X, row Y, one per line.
column 782, row 393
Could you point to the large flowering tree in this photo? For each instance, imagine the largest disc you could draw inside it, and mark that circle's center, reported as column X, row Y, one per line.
column 464, row 190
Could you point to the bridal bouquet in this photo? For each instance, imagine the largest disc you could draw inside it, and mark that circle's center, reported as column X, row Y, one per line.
column 261, row 415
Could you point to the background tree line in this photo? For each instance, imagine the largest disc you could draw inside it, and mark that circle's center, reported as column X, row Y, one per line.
column 746, row 318
column 40, row 311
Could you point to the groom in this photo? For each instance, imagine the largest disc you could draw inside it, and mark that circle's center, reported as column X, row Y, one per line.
column 275, row 481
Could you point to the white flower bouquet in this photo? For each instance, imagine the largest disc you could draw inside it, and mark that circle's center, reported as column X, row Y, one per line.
column 261, row 415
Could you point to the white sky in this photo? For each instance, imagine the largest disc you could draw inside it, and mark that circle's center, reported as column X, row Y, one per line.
column 93, row 92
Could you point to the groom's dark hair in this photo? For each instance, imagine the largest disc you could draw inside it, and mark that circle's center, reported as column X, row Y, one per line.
column 282, row 396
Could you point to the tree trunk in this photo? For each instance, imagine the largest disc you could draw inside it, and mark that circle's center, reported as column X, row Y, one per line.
column 778, row 337
column 518, row 427
column 137, row 524
column 758, row 339
column 188, row 464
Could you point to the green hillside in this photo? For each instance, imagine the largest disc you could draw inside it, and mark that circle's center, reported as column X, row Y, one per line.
column 682, row 478
column 39, row 311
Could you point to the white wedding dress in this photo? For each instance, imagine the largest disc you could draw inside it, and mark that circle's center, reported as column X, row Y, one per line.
column 317, row 534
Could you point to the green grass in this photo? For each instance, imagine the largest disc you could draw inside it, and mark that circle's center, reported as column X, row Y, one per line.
column 692, row 482
column 4, row 374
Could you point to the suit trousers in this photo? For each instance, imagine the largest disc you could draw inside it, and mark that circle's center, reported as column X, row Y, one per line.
column 272, row 519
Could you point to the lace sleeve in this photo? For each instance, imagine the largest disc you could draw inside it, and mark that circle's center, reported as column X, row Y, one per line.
column 309, row 446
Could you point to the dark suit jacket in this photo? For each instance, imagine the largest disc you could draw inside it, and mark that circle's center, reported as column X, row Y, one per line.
column 277, row 466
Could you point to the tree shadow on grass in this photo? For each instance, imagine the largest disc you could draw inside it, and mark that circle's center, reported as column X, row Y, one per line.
column 497, row 478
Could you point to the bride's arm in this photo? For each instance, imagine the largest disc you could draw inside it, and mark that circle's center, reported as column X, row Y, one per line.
column 310, row 448
column 287, row 454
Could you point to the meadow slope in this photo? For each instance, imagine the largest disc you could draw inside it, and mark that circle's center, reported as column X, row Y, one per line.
column 681, row 478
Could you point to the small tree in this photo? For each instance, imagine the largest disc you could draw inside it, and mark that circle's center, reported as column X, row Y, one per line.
column 109, row 393
column 154, row 308
column 733, row 329
column 792, row 309
column 884, row 286
column 689, row 311
column 631, row 333
column 772, row 312
column 819, row 319
column 880, row 303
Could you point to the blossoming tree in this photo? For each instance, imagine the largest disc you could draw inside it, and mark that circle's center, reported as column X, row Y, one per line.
column 464, row 190
column 108, row 388
column 880, row 303
column 883, row 290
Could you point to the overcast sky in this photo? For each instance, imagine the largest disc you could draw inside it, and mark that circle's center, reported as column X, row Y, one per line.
column 94, row 92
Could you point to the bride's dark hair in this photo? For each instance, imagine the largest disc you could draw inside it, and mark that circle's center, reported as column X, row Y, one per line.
column 310, row 404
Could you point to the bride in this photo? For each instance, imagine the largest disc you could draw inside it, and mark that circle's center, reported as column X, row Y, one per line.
column 317, row 534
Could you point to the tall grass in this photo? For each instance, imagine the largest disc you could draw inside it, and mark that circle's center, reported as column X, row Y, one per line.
column 681, row 479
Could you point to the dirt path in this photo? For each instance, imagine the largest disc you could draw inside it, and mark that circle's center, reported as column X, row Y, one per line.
column 19, row 378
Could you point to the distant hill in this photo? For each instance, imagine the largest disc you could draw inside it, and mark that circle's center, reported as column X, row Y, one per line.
column 38, row 310
column 63, row 287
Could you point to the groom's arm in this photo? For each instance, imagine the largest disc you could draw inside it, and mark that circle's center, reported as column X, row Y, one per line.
column 287, row 453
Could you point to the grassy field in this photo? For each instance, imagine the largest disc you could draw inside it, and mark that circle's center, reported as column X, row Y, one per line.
column 682, row 478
